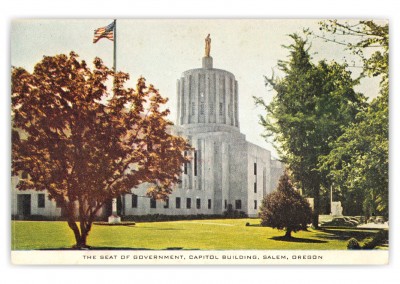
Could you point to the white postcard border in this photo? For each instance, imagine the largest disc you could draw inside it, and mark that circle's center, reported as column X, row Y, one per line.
column 236, row 257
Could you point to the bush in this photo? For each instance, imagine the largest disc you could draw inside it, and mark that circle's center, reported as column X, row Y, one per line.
column 379, row 239
column 115, row 224
column 353, row 244
column 285, row 208
column 234, row 214
column 35, row 218
column 163, row 217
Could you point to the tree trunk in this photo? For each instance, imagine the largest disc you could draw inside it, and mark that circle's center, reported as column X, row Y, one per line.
column 78, row 238
column 83, row 243
column 288, row 233
column 80, row 234
column 315, row 217
column 86, row 220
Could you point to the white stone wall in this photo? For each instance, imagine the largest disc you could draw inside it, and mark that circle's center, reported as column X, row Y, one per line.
column 259, row 180
column 143, row 205
column 50, row 209
column 277, row 170
column 238, row 152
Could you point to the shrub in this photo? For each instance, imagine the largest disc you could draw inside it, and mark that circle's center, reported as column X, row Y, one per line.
column 115, row 224
column 379, row 239
column 234, row 214
column 285, row 208
column 164, row 217
column 353, row 244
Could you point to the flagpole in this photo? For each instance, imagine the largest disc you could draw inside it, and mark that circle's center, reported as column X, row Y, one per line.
column 114, row 218
column 115, row 46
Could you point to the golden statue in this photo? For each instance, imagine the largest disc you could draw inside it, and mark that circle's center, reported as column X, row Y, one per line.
column 208, row 45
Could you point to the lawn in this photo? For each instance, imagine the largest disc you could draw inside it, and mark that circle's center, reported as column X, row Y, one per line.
column 224, row 234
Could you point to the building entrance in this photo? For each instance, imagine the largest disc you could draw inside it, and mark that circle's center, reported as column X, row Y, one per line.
column 24, row 205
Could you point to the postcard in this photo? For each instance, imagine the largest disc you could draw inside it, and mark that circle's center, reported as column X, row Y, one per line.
column 199, row 141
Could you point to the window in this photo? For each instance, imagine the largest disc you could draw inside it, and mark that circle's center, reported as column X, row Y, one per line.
column 211, row 106
column 209, row 203
column 58, row 204
column 166, row 205
column 221, row 109
column 225, row 204
column 185, row 165
column 198, row 203
column 255, row 169
column 153, row 203
column 195, row 163
column 255, row 187
column 24, row 175
column 134, row 201
column 202, row 108
column 178, row 202
column 238, row 204
column 255, row 204
column 188, row 203
column 41, row 200
column 264, row 181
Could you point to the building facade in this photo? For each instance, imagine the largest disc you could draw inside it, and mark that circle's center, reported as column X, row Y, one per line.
column 226, row 171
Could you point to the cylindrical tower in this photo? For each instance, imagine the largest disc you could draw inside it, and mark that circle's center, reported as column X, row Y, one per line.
column 207, row 96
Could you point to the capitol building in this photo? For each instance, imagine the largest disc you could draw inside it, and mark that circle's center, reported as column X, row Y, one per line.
column 226, row 171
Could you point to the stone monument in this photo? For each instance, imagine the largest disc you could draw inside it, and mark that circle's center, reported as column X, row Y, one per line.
column 114, row 218
column 311, row 202
column 336, row 208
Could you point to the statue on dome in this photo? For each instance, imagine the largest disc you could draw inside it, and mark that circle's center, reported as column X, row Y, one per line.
column 208, row 46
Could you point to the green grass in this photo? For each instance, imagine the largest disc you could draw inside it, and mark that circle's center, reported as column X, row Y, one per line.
column 226, row 234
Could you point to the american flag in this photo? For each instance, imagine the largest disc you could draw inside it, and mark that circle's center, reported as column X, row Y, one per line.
column 104, row 32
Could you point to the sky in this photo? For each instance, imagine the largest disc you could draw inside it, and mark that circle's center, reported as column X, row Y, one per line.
column 160, row 50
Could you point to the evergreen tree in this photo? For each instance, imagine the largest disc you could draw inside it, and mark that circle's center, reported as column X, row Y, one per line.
column 312, row 105
column 285, row 208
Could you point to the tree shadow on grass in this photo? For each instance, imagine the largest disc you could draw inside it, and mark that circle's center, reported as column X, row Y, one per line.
column 335, row 234
column 297, row 240
column 97, row 248
column 161, row 229
column 116, row 248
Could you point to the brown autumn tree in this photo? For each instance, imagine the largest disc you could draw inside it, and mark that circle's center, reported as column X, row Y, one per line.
column 285, row 208
column 84, row 145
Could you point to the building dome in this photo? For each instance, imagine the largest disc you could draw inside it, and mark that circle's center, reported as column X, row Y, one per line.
column 207, row 96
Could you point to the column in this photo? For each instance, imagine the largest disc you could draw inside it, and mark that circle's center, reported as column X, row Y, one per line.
column 206, row 98
column 178, row 103
column 227, row 100
column 187, row 98
column 217, row 98
column 195, row 89
column 183, row 101
column 236, row 104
